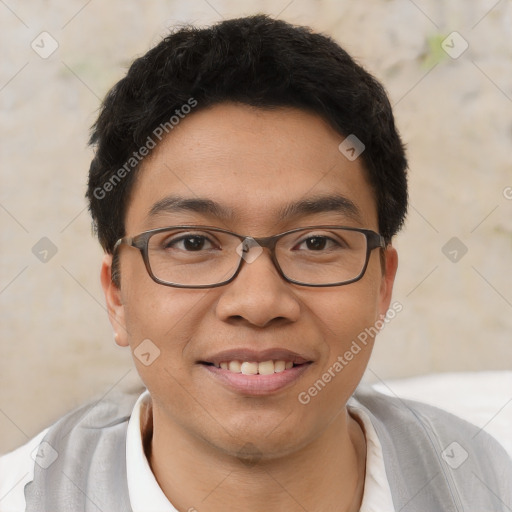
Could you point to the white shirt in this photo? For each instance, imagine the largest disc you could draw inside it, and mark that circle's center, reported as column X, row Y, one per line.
column 17, row 469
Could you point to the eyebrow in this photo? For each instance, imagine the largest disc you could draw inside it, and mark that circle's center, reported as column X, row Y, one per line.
column 176, row 204
column 319, row 204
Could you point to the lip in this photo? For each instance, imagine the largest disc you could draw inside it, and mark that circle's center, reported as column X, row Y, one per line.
column 257, row 385
column 257, row 356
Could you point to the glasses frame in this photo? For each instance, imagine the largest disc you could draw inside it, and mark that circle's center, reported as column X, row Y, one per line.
column 373, row 241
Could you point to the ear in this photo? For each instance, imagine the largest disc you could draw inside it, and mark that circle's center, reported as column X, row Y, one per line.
column 115, row 307
column 390, row 266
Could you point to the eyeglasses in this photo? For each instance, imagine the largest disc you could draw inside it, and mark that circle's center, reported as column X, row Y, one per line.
column 207, row 257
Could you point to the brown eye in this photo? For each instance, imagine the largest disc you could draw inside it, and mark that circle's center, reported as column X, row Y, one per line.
column 194, row 243
column 187, row 243
column 316, row 243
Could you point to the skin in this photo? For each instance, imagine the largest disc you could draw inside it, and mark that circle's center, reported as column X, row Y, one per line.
column 252, row 162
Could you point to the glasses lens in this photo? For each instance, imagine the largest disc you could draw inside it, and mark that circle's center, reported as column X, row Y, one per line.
column 201, row 257
column 322, row 256
column 192, row 257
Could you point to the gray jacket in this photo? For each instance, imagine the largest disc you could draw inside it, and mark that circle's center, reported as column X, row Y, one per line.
column 435, row 462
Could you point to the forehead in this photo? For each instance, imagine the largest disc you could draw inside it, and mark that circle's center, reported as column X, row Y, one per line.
column 251, row 168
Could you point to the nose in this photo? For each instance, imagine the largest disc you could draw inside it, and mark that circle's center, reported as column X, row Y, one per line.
column 258, row 295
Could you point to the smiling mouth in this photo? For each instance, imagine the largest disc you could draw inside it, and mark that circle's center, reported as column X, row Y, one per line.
column 250, row 372
column 256, row 368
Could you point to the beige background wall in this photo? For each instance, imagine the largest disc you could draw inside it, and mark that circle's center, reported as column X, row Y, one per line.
column 455, row 114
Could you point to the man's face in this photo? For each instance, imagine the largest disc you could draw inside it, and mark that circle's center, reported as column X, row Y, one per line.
column 254, row 164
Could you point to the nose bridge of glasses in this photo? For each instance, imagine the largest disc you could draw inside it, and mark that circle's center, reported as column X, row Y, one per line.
column 267, row 242
column 253, row 246
column 249, row 249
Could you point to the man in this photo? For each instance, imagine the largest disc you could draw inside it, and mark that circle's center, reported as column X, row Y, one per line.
column 247, row 184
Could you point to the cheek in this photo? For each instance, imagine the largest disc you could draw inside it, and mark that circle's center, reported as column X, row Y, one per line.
column 167, row 317
column 153, row 310
column 161, row 325
column 348, row 320
column 346, row 311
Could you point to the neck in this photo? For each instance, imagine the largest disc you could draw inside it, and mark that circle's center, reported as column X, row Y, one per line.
column 325, row 475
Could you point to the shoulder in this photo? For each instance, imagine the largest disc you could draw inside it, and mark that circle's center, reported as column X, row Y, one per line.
column 467, row 459
column 393, row 409
column 77, row 433
column 437, row 424
column 16, row 470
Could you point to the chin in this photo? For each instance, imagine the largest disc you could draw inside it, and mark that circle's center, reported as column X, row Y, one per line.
column 264, row 437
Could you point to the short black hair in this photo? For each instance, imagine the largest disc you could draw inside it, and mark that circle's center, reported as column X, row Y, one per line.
column 257, row 61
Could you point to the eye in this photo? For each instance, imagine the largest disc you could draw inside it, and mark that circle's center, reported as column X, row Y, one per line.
column 319, row 243
column 316, row 243
column 188, row 243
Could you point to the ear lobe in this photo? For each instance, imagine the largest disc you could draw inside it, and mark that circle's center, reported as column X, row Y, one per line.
column 115, row 306
column 388, row 278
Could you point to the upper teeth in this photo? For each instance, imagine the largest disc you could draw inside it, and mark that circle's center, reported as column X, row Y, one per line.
column 253, row 368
